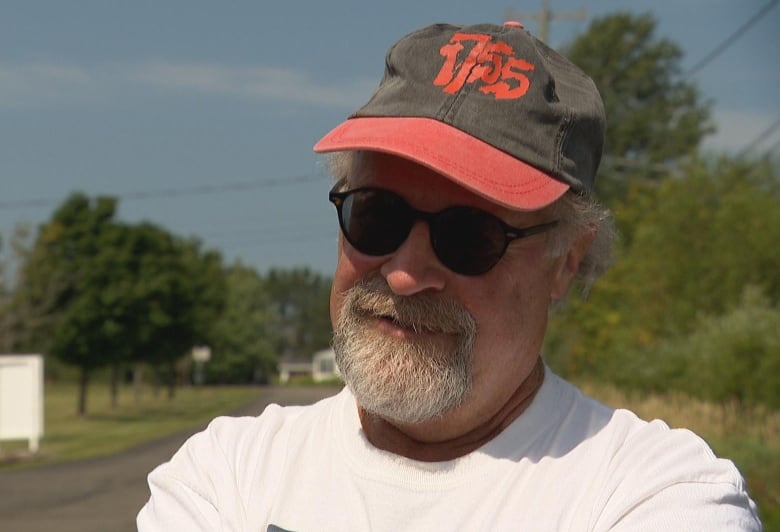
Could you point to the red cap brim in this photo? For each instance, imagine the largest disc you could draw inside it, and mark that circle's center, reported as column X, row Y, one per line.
column 468, row 161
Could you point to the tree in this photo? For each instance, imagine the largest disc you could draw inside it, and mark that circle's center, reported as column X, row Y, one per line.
column 63, row 281
column 656, row 118
column 243, row 350
column 12, row 317
column 300, row 299
column 700, row 241
column 177, row 293
column 107, row 293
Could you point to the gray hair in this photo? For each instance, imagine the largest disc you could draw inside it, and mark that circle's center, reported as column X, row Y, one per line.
column 577, row 214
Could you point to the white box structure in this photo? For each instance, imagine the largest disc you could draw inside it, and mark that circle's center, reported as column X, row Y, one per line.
column 21, row 398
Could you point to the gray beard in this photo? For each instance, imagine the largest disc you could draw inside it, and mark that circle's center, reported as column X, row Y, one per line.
column 400, row 380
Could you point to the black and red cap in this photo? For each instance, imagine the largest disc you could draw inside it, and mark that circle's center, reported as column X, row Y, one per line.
column 490, row 107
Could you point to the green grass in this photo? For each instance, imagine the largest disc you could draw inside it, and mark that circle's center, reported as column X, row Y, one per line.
column 104, row 431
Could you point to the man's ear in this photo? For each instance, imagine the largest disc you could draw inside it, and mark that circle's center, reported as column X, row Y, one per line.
column 569, row 264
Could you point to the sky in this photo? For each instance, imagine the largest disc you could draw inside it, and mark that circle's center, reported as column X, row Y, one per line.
column 200, row 116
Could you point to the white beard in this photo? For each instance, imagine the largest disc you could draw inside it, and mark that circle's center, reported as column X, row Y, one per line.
column 406, row 381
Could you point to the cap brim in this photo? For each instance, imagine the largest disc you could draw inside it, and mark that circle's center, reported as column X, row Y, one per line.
column 462, row 158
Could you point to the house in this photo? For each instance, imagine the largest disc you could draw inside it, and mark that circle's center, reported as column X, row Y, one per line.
column 321, row 367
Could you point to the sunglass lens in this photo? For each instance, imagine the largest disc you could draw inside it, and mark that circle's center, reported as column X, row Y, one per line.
column 375, row 222
column 468, row 241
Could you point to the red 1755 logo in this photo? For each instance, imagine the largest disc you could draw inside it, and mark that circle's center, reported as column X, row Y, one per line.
column 492, row 63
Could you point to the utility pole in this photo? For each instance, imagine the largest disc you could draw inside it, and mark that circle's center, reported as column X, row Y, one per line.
column 545, row 17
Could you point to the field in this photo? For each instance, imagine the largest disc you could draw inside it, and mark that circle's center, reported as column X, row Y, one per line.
column 105, row 431
column 749, row 437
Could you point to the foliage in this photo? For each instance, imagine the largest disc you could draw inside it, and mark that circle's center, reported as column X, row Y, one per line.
column 63, row 279
column 733, row 357
column 107, row 293
column 245, row 333
column 300, row 299
column 703, row 238
column 14, row 318
column 655, row 116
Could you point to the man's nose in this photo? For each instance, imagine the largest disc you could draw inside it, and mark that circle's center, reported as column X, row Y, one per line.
column 414, row 268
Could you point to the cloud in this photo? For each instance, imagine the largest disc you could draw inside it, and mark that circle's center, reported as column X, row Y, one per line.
column 39, row 83
column 46, row 84
column 737, row 129
column 258, row 83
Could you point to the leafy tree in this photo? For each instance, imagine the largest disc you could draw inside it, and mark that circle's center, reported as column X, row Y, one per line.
column 701, row 240
column 176, row 291
column 655, row 116
column 107, row 293
column 244, row 346
column 300, row 299
column 62, row 281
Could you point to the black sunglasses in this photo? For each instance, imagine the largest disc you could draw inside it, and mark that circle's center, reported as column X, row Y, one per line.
column 467, row 240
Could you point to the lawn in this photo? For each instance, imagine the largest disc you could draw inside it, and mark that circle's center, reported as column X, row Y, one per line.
column 104, row 430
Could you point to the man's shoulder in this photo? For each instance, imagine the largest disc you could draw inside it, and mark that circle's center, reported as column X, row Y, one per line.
column 628, row 440
column 275, row 417
column 247, row 437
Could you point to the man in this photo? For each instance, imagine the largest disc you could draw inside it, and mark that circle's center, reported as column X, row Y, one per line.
column 464, row 197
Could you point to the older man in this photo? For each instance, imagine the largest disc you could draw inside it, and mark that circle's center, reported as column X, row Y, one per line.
column 464, row 196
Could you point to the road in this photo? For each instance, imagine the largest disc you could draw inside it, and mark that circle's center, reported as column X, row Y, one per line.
column 105, row 494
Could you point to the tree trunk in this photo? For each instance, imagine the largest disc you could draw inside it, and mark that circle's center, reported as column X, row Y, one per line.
column 138, row 381
column 172, row 382
column 83, row 385
column 115, row 375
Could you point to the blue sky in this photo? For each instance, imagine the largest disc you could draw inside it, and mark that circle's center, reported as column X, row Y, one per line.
column 201, row 115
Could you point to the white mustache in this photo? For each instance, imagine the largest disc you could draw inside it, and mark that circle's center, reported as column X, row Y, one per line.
column 419, row 312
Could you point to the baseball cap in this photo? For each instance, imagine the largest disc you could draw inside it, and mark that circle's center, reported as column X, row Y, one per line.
column 488, row 106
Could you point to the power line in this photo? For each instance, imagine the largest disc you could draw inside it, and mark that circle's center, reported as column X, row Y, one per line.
column 198, row 190
column 760, row 137
column 731, row 39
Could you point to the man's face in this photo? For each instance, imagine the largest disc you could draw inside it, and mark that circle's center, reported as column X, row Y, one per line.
column 418, row 342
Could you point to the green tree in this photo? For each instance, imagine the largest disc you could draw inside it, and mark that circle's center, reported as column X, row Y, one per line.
column 655, row 116
column 106, row 293
column 300, row 299
column 177, row 292
column 62, row 281
column 243, row 350
column 701, row 240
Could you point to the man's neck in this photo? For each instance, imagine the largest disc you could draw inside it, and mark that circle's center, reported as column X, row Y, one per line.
column 403, row 440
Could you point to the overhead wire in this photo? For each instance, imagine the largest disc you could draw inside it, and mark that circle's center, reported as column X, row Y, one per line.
column 195, row 190
column 760, row 137
column 730, row 39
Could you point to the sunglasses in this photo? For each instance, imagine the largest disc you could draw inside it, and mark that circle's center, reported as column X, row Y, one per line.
column 467, row 240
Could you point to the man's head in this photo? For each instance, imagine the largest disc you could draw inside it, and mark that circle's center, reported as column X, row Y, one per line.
column 462, row 197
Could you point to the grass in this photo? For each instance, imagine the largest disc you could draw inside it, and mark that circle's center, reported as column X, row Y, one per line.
column 750, row 437
column 104, row 431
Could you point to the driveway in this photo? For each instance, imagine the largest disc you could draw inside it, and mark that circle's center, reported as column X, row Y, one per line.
column 105, row 494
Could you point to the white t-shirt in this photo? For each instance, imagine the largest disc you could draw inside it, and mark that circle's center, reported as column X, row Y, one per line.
column 567, row 463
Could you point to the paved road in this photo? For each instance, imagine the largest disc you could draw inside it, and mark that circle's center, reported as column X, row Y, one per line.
column 104, row 494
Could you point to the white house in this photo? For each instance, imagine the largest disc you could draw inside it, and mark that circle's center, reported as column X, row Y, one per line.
column 322, row 367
